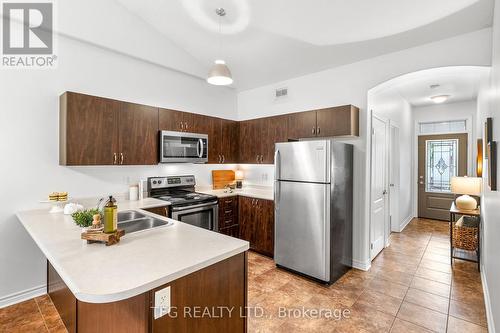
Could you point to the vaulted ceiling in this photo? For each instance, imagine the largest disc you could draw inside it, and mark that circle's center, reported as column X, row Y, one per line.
column 269, row 41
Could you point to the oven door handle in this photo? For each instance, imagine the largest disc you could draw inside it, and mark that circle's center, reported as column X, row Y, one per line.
column 207, row 204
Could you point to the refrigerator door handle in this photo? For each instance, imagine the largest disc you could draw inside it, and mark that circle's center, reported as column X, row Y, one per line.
column 277, row 165
column 277, row 187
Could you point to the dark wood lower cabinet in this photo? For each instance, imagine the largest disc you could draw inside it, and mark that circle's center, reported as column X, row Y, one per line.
column 219, row 286
column 163, row 211
column 256, row 221
column 233, row 231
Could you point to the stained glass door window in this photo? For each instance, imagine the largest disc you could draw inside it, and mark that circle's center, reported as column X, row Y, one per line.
column 441, row 164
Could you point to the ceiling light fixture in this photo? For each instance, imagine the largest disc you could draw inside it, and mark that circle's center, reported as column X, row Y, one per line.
column 440, row 98
column 220, row 75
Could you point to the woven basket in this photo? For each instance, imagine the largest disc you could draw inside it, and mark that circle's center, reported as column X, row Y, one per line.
column 465, row 238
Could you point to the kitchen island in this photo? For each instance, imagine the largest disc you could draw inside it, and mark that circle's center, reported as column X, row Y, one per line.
column 112, row 289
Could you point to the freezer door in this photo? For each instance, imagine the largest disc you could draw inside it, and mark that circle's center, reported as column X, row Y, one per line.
column 302, row 237
column 303, row 161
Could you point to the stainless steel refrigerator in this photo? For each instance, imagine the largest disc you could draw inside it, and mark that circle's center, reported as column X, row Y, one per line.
column 313, row 208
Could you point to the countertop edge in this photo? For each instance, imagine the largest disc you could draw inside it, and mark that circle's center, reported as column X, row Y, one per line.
column 90, row 298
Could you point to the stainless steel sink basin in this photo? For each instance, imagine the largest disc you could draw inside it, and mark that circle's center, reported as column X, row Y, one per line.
column 132, row 221
column 128, row 215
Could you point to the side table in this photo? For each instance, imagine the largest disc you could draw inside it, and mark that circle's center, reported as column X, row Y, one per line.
column 454, row 211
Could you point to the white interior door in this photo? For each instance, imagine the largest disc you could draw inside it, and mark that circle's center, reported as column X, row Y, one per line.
column 394, row 179
column 379, row 209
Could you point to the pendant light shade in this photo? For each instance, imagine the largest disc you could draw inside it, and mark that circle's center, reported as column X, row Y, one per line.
column 220, row 75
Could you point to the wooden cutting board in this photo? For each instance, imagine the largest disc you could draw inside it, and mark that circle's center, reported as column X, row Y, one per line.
column 221, row 178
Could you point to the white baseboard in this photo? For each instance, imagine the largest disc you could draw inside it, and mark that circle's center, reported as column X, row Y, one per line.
column 487, row 302
column 22, row 296
column 403, row 224
column 362, row 265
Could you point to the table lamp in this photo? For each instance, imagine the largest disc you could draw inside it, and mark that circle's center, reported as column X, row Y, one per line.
column 466, row 186
column 239, row 178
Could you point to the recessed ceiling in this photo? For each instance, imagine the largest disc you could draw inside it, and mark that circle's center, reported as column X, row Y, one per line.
column 268, row 41
column 461, row 83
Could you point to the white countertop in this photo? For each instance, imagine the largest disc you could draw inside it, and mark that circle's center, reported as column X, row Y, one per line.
column 141, row 261
column 261, row 192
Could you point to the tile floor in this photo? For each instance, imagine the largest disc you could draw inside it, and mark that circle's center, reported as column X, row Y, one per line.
column 410, row 288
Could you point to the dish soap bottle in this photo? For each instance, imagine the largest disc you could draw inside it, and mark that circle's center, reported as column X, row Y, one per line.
column 110, row 215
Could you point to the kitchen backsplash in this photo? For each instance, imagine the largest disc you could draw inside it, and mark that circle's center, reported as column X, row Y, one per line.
column 117, row 179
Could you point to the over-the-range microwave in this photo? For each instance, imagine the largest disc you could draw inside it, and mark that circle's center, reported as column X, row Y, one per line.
column 182, row 147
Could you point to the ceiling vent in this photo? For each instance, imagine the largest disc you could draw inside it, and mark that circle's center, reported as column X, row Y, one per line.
column 281, row 92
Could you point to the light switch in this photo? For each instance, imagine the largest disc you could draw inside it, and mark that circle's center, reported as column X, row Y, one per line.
column 162, row 302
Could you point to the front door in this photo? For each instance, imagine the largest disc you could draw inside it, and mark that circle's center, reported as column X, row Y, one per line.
column 440, row 157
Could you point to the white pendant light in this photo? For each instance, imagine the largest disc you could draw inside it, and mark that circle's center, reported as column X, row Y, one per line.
column 219, row 74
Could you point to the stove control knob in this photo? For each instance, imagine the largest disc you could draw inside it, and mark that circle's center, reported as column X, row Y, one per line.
column 154, row 182
column 159, row 182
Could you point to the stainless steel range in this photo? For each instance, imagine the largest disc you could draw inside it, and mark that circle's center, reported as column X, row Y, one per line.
column 186, row 205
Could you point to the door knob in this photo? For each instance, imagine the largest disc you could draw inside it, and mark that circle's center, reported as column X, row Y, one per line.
column 385, row 192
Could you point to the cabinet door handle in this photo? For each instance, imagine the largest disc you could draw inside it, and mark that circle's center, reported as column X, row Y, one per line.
column 185, row 125
column 121, row 158
column 261, row 158
column 319, row 130
column 223, row 159
column 115, row 158
column 228, row 211
column 257, row 158
column 313, row 131
column 182, row 126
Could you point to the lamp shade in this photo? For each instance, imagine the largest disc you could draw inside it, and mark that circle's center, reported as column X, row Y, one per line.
column 219, row 74
column 466, row 185
column 239, row 175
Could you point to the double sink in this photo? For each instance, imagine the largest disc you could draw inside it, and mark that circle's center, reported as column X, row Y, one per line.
column 133, row 221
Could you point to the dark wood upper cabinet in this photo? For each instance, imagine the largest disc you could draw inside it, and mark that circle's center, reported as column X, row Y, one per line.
column 138, row 133
column 229, row 141
column 302, row 125
column 250, row 141
column 170, row 120
column 102, row 131
column 338, row 121
column 275, row 131
column 88, row 130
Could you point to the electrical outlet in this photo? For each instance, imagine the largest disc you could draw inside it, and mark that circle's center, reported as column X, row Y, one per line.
column 162, row 302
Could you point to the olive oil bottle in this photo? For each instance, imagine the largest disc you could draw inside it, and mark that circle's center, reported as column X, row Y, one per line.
column 110, row 215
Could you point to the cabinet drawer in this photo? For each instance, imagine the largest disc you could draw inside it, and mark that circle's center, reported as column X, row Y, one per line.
column 233, row 231
column 227, row 222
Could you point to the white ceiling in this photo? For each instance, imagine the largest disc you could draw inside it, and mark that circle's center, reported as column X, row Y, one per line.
column 268, row 41
column 461, row 83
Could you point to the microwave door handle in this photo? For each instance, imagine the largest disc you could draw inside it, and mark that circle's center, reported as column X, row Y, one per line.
column 199, row 148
